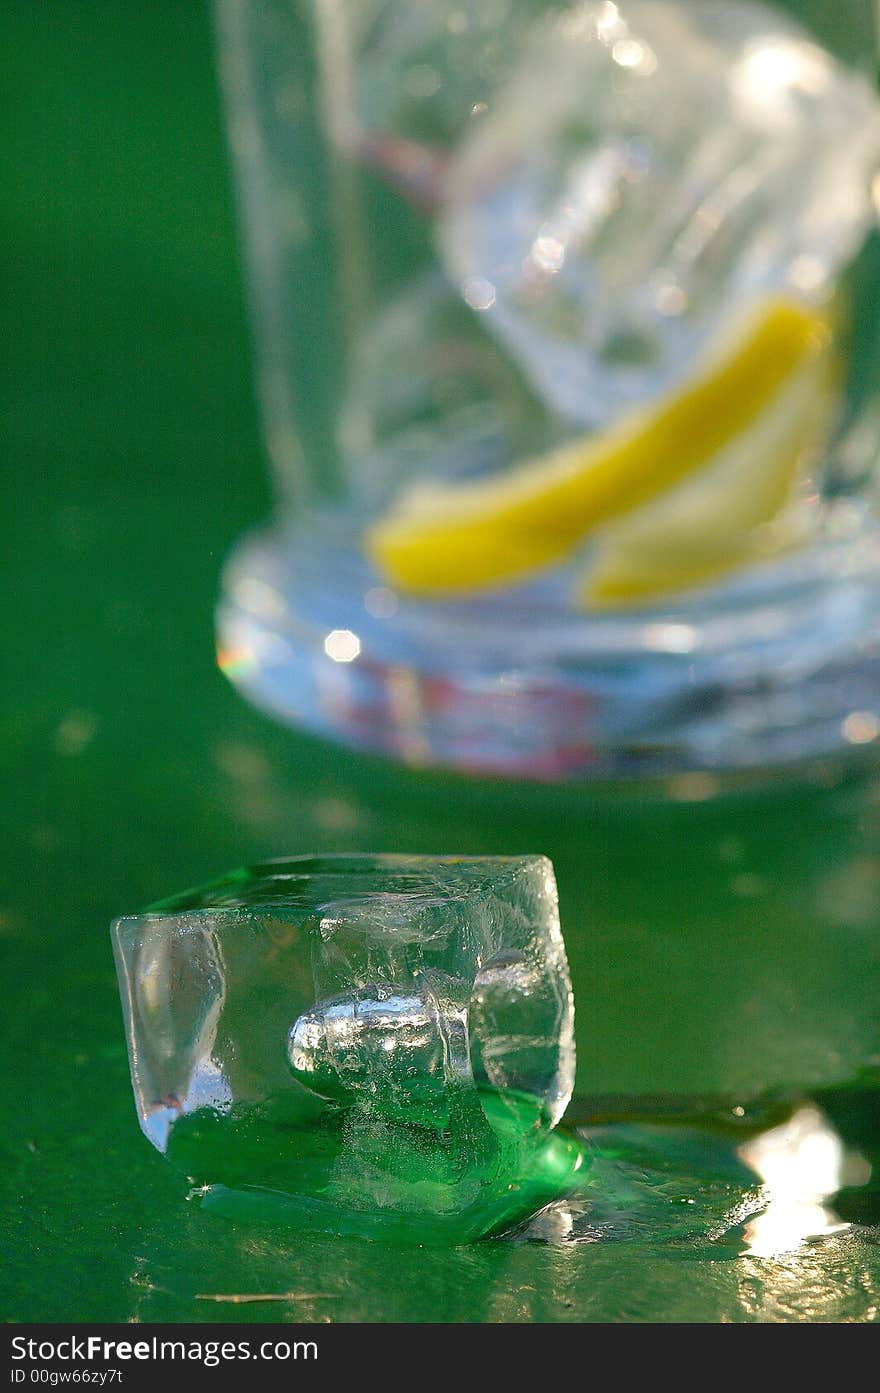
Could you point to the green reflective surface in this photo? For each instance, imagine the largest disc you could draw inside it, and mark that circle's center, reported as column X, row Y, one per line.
column 722, row 951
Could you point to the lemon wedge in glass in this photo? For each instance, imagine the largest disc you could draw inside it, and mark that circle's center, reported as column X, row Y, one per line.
column 742, row 508
column 459, row 538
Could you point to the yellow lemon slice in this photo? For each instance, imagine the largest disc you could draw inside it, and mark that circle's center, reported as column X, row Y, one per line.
column 740, row 509
column 458, row 538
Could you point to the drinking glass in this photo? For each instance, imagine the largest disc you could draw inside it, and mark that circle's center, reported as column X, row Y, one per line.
column 565, row 319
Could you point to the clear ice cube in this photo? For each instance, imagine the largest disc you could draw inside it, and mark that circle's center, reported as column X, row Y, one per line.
column 432, row 396
column 425, row 71
column 647, row 168
column 368, row 1031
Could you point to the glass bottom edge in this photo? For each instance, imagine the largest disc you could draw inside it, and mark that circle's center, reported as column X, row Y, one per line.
column 763, row 677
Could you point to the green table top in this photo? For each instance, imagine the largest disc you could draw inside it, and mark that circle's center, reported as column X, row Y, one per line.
column 723, row 948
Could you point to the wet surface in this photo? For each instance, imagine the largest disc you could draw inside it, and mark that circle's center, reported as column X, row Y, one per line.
column 723, row 951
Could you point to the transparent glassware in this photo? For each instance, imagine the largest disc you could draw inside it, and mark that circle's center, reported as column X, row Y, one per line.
column 565, row 321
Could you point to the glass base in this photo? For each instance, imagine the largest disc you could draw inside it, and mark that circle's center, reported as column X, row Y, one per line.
column 779, row 667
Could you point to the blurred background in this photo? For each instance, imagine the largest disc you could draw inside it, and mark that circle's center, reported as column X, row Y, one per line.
column 724, row 948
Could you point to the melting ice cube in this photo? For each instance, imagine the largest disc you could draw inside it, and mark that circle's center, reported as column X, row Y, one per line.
column 401, row 986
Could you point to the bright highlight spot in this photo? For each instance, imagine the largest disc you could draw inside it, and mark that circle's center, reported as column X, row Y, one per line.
column 342, row 645
column 609, row 25
column 860, row 727
column 671, row 638
column 629, row 53
column 479, row 293
column 802, row 1164
column 548, row 253
column 770, row 71
column 806, row 273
